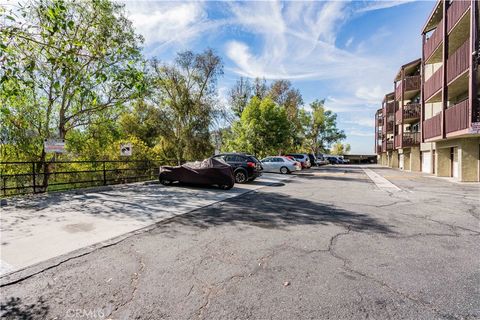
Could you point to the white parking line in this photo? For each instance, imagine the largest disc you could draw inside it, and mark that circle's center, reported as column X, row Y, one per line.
column 380, row 182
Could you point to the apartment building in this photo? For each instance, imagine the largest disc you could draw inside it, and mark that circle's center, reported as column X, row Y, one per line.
column 407, row 136
column 384, row 132
column 446, row 131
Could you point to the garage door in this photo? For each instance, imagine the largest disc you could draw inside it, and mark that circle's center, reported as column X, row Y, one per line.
column 427, row 162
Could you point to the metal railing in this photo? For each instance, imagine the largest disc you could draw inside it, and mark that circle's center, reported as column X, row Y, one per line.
column 38, row 177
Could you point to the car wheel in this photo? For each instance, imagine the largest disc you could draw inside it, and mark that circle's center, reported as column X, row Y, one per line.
column 284, row 170
column 240, row 177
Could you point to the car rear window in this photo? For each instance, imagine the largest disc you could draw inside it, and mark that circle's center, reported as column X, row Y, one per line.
column 253, row 159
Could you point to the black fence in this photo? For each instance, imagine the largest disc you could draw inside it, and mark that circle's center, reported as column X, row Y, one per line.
column 38, row 177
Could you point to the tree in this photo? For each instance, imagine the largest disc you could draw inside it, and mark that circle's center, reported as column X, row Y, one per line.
column 185, row 94
column 71, row 63
column 320, row 127
column 67, row 65
column 262, row 130
column 240, row 95
column 260, row 89
column 282, row 92
column 340, row 149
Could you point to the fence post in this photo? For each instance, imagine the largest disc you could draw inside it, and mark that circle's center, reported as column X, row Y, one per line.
column 34, row 180
column 104, row 175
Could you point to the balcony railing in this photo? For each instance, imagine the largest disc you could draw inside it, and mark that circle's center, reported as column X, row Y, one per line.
column 390, row 126
column 408, row 139
column 455, row 11
column 411, row 139
column 379, row 149
column 459, row 61
column 398, row 116
column 411, row 83
column 387, row 145
column 390, row 107
column 456, row 117
column 435, row 39
column 433, row 84
column 411, row 111
column 432, row 127
column 397, row 141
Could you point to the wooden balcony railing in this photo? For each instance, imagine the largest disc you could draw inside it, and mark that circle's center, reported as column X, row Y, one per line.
column 379, row 149
column 456, row 117
column 432, row 127
column 455, row 11
column 435, row 39
column 408, row 139
column 433, row 84
column 412, row 111
column 389, row 145
column 390, row 126
column 411, row 83
column 459, row 61
column 390, row 107
column 397, row 141
column 411, row 139
column 398, row 116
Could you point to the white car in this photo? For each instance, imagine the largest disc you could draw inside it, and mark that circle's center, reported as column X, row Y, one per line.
column 279, row 164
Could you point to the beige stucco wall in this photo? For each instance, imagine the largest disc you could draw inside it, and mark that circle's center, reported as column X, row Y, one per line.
column 394, row 159
column 406, row 160
column 431, row 68
column 442, row 162
column 468, row 157
column 415, row 161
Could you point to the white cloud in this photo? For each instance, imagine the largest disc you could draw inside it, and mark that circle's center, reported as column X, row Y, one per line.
column 382, row 4
column 167, row 24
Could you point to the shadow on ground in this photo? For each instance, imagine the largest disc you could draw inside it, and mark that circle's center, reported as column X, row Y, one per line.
column 15, row 309
column 275, row 211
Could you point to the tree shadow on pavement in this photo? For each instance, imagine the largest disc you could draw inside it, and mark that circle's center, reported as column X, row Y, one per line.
column 275, row 210
column 13, row 308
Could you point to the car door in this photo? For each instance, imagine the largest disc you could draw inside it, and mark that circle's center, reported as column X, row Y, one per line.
column 267, row 164
column 277, row 164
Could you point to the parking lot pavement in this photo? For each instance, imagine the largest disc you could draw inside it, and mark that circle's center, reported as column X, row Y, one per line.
column 329, row 244
column 38, row 228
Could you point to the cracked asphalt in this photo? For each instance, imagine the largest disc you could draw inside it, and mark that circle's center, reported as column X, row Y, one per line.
column 326, row 245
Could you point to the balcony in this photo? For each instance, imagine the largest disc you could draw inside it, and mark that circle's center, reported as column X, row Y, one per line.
column 411, row 83
column 411, row 139
column 387, row 145
column 455, row 11
column 432, row 43
column 459, row 61
column 379, row 121
column 379, row 149
column 408, row 139
column 390, row 109
column 398, row 116
column 456, row 117
column 432, row 127
column 411, row 112
column 397, row 141
column 433, row 84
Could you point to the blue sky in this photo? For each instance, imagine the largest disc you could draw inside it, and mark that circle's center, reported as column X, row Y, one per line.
column 346, row 52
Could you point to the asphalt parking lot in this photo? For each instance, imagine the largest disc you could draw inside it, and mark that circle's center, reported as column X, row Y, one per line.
column 332, row 243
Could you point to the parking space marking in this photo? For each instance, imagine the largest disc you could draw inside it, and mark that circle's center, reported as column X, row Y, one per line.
column 380, row 182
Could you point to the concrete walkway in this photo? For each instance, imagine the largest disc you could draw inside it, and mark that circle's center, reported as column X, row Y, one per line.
column 37, row 228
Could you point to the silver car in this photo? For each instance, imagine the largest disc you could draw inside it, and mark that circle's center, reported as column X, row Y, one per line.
column 279, row 164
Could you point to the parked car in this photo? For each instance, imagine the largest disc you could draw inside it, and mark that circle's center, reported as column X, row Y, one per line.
column 335, row 160
column 280, row 164
column 321, row 160
column 302, row 158
column 245, row 167
column 207, row 172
